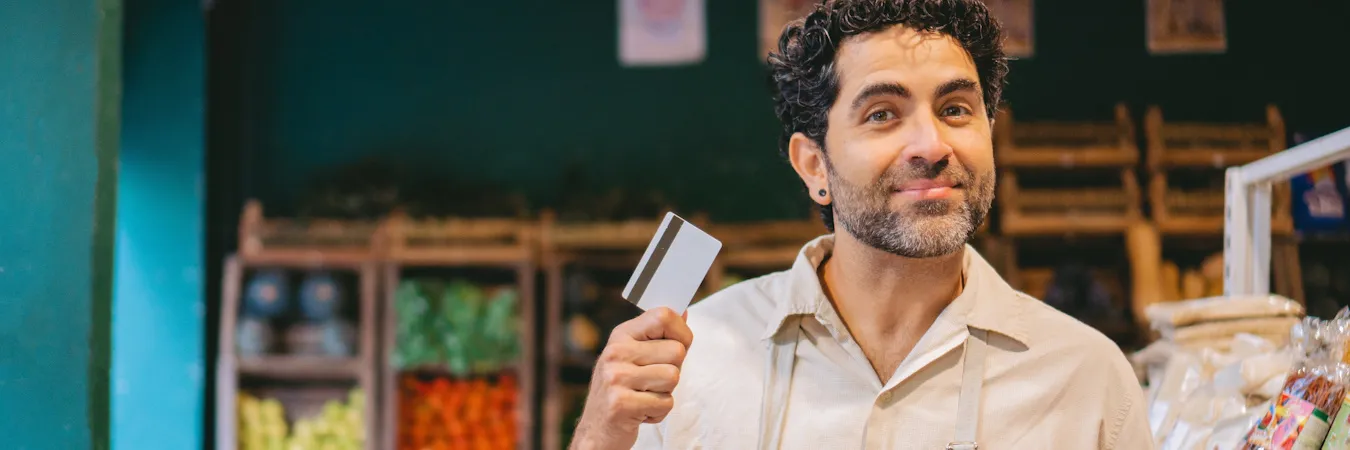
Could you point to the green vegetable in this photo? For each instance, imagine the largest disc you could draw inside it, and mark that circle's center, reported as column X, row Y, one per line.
column 466, row 329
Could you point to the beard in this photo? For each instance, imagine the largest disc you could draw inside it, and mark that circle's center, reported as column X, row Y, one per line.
column 926, row 228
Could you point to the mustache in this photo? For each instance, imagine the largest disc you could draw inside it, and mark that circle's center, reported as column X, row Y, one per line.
column 920, row 169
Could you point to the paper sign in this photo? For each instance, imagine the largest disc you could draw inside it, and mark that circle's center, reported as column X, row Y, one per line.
column 1186, row 26
column 1019, row 29
column 673, row 267
column 662, row 32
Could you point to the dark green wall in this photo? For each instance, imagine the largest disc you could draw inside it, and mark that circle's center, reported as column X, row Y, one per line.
column 59, row 88
column 516, row 92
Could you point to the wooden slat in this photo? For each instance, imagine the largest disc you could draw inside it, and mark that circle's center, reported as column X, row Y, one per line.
column 448, row 242
column 1045, row 212
column 301, row 368
column 1066, row 144
column 1213, row 145
column 294, row 242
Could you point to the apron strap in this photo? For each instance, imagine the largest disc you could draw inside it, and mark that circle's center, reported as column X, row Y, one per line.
column 972, row 380
column 777, row 380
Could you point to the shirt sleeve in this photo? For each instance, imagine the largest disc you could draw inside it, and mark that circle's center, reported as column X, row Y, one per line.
column 1129, row 430
column 649, row 437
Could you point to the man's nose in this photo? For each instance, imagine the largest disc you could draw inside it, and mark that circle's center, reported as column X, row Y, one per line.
column 923, row 140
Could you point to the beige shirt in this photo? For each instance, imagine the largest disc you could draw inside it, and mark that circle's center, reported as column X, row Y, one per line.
column 1050, row 382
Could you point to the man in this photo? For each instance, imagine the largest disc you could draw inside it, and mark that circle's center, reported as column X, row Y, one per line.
column 891, row 333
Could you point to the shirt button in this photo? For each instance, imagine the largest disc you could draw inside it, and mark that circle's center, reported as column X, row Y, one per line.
column 887, row 396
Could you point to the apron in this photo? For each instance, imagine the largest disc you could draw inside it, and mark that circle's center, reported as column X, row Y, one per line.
column 778, row 378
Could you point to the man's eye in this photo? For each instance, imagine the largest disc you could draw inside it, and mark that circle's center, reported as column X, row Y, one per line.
column 880, row 116
column 955, row 110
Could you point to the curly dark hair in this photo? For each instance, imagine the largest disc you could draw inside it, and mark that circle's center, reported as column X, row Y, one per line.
column 803, row 73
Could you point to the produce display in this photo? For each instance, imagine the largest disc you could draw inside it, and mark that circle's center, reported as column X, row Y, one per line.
column 340, row 425
column 457, row 326
column 310, row 320
column 454, row 414
column 1241, row 384
column 456, row 342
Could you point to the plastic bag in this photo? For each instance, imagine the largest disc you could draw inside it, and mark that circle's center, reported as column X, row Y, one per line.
column 1266, row 327
column 1313, row 392
column 1185, row 372
column 1201, row 410
column 1163, row 316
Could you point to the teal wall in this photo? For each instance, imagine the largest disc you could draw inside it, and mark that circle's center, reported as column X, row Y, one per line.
column 515, row 93
column 158, row 372
column 58, row 147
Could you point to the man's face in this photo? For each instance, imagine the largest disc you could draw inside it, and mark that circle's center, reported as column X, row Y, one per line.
column 908, row 156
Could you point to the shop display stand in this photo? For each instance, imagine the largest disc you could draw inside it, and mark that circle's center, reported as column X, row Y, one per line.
column 1206, row 147
column 610, row 246
column 1248, row 222
column 507, row 244
column 1101, row 154
column 1050, row 150
column 297, row 245
column 1201, row 150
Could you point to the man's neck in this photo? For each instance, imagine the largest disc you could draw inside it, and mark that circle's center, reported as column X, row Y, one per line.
column 887, row 301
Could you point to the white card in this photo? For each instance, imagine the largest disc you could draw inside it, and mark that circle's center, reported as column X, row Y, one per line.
column 673, row 267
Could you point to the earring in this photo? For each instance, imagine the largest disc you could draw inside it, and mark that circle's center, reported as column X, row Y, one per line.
column 821, row 193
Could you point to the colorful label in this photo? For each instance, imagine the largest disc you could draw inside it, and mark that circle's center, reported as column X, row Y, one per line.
column 1339, row 436
column 1291, row 424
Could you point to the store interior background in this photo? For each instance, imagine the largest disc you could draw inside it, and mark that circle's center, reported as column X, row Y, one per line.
column 253, row 99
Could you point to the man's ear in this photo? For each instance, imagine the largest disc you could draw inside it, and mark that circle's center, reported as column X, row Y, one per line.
column 808, row 159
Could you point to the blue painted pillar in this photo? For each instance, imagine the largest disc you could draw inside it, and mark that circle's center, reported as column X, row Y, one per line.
column 59, row 86
column 158, row 372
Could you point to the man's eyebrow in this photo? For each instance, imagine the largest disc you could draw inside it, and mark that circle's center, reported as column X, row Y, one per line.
column 955, row 85
column 879, row 89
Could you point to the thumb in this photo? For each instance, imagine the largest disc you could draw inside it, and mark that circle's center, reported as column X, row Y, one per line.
column 685, row 316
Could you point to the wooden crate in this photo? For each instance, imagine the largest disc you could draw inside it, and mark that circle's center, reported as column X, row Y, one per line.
column 1208, row 146
column 1066, row 144
column 460, row 241
column 494, row 243
column 306, row 243
column 1047, row 212
column 1213, row 145
column 292, row 244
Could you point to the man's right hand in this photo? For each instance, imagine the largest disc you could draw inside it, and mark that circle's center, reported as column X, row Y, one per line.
column 633, row 380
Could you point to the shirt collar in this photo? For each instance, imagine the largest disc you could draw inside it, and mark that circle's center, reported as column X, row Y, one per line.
column 987, row 302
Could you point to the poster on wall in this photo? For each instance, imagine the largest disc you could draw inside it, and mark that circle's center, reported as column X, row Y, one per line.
column 1018, row 26
column 662, row 32
column 774, row 15
column 1186, row 26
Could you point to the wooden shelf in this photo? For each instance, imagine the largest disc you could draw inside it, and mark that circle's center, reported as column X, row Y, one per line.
column 1210, row 145
column 1052, row 212
column 295, row 243
column 461, row 243
column 302, row 367
column 298, row 368
column 1200, row 212
column 450, row 242
column 1066, row 144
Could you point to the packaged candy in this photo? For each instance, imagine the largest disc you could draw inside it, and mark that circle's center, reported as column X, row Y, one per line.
column 1313, row 391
